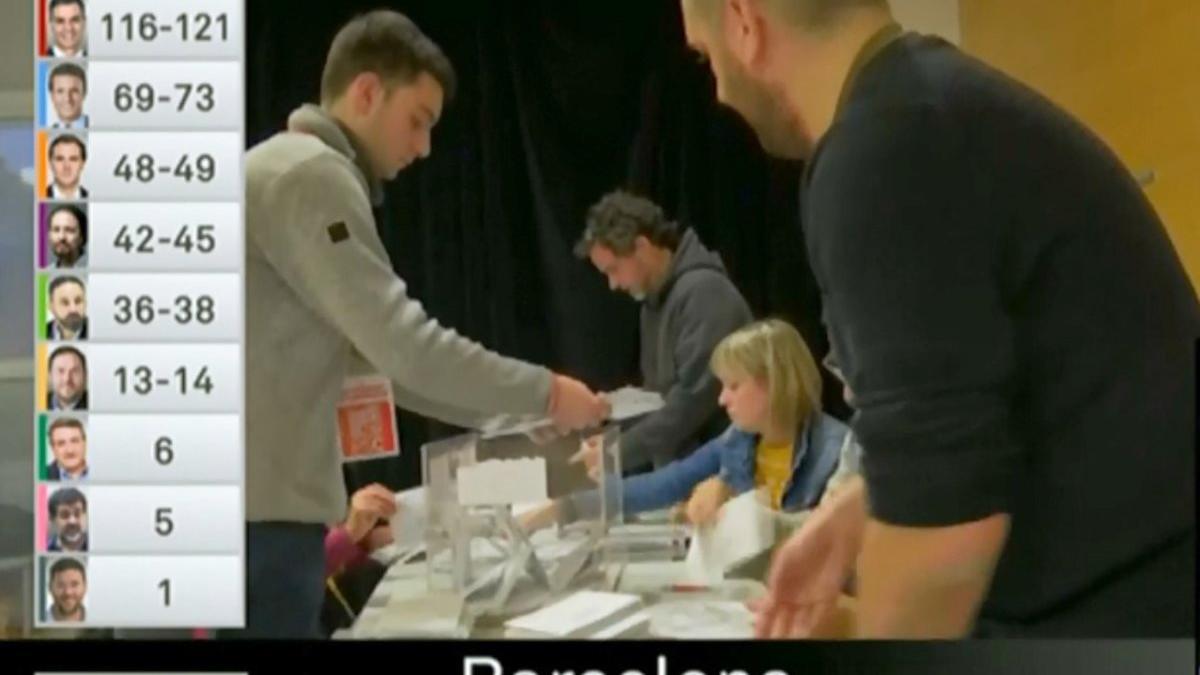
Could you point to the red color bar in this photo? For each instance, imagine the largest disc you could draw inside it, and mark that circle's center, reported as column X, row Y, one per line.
column 43, row 47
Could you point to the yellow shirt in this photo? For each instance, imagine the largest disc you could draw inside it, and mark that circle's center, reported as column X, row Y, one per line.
column 773, row 470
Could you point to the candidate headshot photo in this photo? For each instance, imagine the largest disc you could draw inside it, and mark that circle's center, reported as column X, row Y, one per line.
column 68, row 511
column 67, row 439
column 67, row 306
column 67, row 236
column 66, row 29
column 65, row 162
column 66, row 585
column 68, row 380
column 66, row 89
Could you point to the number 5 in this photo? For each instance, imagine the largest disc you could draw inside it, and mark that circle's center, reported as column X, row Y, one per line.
column 163, row 523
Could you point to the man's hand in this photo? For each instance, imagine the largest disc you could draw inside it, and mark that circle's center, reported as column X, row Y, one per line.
column 367, row 506
column 589, row 454
column 707, row 500
column 573, row 406
column 812, row 567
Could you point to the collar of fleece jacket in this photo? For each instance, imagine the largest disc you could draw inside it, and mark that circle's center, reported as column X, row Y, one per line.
column 315, row 120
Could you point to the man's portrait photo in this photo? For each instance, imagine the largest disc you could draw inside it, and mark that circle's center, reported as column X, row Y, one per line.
column 67, row 586
column 68, row 380
column 66, row 86
column 67, row 29
column 68, row 510
column 67, row 438
column 65, row 160
column 67, row 236
column 67, row 302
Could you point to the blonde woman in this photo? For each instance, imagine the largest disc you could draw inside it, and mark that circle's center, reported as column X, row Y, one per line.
column 779, row 441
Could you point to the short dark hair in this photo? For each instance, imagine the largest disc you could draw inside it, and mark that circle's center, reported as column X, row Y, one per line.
column 64, row 497
column 66, row 423
column 69, row 69
column 619, row 218
column 68, row 350
column 61, row 281
column 66, row 565
column 55, row 4
column 388, row 44
column 68, row 138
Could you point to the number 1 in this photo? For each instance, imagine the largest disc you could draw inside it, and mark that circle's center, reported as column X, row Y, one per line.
column 165, row 586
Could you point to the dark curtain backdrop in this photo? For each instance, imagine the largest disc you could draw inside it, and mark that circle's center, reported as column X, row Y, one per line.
column 559, row 102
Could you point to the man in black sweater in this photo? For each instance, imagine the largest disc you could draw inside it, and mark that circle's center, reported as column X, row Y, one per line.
column 1013, row 320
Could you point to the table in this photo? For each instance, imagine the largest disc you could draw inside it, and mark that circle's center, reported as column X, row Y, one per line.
column 706, row 614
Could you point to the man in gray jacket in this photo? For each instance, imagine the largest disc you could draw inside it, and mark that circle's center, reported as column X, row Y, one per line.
column 688, row 306
column 323, row 302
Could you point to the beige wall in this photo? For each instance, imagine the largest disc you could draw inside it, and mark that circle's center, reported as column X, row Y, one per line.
column 934, row 17
column 16, row 60
column 1130, row 69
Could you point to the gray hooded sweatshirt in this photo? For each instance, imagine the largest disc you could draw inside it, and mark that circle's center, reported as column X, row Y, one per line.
column 681, row 324
column 323, row 302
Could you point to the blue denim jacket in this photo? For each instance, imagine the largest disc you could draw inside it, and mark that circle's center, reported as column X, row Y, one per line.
column 731, row 456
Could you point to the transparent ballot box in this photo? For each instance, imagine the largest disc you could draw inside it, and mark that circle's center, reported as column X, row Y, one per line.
column 499, row 530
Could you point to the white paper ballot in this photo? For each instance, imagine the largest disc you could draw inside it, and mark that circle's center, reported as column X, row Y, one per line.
column 745, row 528
column 575, row 615
column 630, row 402
column 408, row 525
column 503, row 481
column 627, row 403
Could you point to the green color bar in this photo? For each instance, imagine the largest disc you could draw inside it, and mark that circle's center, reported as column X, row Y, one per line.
column 41, row 445
column 39, row 324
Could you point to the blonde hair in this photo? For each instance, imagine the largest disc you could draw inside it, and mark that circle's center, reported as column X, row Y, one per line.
column 773, row 352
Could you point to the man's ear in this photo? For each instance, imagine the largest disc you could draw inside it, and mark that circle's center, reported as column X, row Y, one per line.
column 745, row 30
column 363, row 90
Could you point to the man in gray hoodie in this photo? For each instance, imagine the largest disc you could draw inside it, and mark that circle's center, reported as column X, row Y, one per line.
column 323, row 302
column 689, row 305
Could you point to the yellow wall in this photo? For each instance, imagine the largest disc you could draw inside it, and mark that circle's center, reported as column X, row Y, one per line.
column 1130, row 69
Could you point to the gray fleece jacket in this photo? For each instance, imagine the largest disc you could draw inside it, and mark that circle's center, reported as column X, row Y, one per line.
column 323, row 302
column 681, row 324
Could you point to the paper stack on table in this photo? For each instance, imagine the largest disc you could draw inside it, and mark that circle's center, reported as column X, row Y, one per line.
column 745, row 528
column 579, row 615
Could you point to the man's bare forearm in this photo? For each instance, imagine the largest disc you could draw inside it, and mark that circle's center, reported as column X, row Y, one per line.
column 925, row 583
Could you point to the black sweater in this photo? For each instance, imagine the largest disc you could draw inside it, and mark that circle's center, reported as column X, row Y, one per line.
column 1019, row 335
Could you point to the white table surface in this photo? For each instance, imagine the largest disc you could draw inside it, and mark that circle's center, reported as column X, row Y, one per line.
column 650, row 579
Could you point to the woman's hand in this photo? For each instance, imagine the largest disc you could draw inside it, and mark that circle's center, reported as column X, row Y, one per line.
column 707, row 500
column 367, row 507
